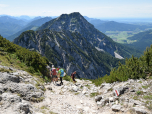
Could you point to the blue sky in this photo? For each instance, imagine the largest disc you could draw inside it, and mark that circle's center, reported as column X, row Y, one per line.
column 90, row 8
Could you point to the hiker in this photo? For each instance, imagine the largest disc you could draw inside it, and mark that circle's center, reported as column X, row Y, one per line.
column 58, row 68
column 73, row 76
column 57, row 72
column 54, row 74
column 61, row 74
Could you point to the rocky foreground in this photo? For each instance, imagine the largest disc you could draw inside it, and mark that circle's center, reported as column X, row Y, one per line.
column 21, row 93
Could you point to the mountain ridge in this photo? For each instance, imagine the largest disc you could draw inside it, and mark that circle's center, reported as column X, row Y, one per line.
column 143, row 40
column 33, row 25
column 70, row 51
column 75, row 22
column 61, row 39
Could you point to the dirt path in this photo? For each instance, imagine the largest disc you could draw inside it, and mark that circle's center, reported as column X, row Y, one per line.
column 62, row 100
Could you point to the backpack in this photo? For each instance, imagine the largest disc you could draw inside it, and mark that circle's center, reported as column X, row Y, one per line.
column 61, row 71
column 53, row 71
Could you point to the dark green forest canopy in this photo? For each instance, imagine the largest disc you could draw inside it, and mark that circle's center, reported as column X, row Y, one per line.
column 134, row 68
column 143, row 39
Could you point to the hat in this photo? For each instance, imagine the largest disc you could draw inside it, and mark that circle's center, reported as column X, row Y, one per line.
column 52, row 66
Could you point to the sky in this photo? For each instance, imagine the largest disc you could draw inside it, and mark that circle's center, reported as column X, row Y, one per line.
column 90, row 8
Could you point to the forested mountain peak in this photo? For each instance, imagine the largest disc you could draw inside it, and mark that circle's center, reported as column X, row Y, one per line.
column 75, row 22
column 72, row 42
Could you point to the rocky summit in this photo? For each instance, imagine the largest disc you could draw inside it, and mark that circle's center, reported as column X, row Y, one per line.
column 71, row 42
column 22, row 93
column 75, row 22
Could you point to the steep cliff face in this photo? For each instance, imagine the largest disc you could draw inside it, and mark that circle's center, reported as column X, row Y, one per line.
column 70, row 51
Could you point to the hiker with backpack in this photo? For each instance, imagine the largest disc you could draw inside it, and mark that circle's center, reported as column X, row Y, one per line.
column 61, row 74
column 54, row 74
column 73, row 76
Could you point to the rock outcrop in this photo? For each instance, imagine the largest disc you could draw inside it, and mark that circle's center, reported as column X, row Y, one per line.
column 18, row 90
column 21, row 93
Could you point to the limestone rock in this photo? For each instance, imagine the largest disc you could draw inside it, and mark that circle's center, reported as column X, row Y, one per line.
column 98, row 98
column 5, row 77
column 24, row 107
column 116, row 108
column 75, row 88
column 139, row 110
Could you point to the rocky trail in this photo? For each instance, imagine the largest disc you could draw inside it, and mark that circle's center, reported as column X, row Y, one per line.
column 21, row 93
column 68, row 99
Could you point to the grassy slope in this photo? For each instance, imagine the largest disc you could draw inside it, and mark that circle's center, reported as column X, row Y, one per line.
column 12, row 55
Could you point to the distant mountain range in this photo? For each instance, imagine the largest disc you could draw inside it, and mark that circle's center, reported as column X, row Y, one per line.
column 71, row 42
column 115, row 26
column 9, row 25
column 33, row 25
column 94, row 21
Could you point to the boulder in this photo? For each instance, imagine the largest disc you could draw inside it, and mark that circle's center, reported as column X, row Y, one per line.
column 98, row 98
column 24, row 107
column 125, row 104
column 100, row 103
column 49, row 88
column 139, row 110
column 27, row 91
column 75, row 88
column 106, row 87
column 5, row 77
column 11, row 98
column 103, row 102
column 1, row 89
column 136, row 102
column 116, row 108
column 111, row 99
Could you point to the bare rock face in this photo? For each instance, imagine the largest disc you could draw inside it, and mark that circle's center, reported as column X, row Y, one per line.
column 98, row 98
column 16, row 95
column 116, row 108
column 5, row 77
column 126, row 101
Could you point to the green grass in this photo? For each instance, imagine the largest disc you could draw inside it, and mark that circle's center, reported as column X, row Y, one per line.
column 145, row 87
column 149, row 104
column 150, row 77
column 135, row 98
column 5, row 70
column 88, row 86
column 76, row 93
column 148, row 97
column 52, row 112
column 94, row 94
column 139, row 92
column 67, row 78
column 140, row 81
column 121, row 36
column 11, row 60
column 44, row 107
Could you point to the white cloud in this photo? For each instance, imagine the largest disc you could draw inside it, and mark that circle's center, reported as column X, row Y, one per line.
column 3, row 5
